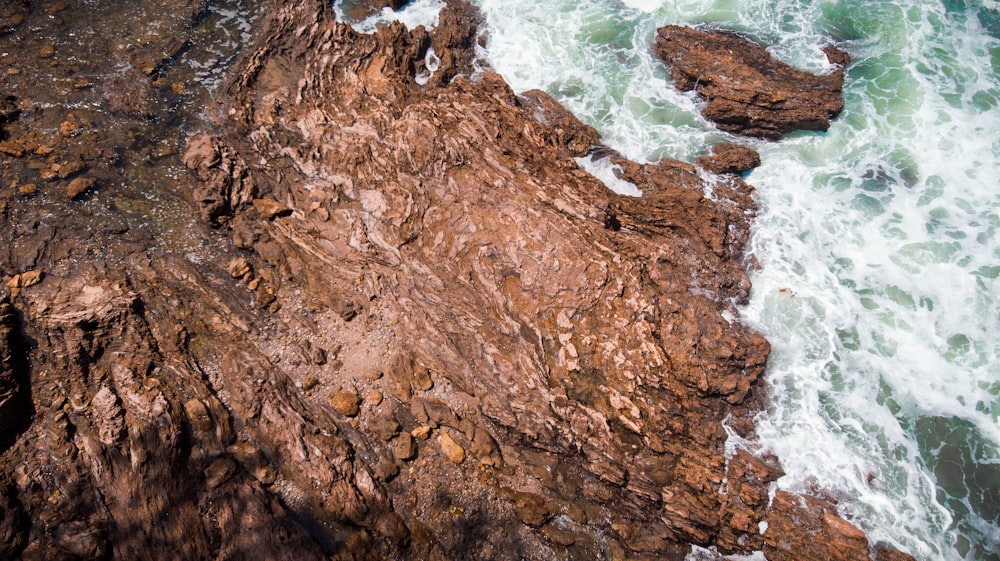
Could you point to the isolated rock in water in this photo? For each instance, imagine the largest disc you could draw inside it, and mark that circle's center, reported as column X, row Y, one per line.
column 748, row 91
column 730, row 157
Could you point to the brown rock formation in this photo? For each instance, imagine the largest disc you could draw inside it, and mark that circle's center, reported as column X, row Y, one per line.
column 748, row 91
column 546, row 365
column 729, row 158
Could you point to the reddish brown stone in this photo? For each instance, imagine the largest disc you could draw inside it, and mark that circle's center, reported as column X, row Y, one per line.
column 803, row 527
column 748, row 91
column 730, row 158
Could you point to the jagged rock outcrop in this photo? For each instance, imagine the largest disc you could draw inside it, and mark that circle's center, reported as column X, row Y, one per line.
column 391, row 321
column 586, row 367
column 747, row 90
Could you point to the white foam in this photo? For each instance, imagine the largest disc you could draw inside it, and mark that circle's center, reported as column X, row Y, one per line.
column 609, row 174
column 412, row 15
column 431, row 64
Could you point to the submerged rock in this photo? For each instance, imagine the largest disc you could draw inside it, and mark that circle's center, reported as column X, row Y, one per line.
column 748, row 91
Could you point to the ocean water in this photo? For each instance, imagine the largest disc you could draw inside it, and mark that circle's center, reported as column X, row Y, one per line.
column 878, row 240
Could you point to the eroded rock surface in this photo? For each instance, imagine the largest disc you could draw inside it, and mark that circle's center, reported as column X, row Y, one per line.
column 747, row 90
column 391, row 321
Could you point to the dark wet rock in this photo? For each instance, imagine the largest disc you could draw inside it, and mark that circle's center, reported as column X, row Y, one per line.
column 12, row 14
column 225, row 183
column 360, row 9
column 9, row 109
column 729, row 157
column 747, row 90
column 79, row 186
column 13, row 525
column 130, row 91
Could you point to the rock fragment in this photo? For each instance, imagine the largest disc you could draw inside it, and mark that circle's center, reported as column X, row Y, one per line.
column 386, row 470
column 404, row 447
column 198, row 415
column 219, row 472
column 452, row 450
column 347, row 404
column 25, row 279
column 422, row 432
column 79, row 186
column 270, row 208
column 70, row 128
column 239, row 267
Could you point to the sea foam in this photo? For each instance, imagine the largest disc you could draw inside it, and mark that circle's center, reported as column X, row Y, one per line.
column 413, row 14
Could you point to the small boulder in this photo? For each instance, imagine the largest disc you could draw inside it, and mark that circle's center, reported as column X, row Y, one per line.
column 386, row 470
column 452, row 450
column 347, row 404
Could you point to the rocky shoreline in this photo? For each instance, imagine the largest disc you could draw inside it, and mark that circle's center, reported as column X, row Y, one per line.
column 380, row 320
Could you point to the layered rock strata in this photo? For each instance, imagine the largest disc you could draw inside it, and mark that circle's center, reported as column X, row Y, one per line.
column 747, row 90
column 394, row 322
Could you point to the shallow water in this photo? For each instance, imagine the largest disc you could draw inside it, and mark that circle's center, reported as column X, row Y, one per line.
column 878, row 239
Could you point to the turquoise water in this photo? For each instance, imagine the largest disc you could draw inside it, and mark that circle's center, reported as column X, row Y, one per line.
column 878, row 240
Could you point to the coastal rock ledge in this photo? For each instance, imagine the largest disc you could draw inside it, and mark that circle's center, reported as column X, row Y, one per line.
column 414, row 328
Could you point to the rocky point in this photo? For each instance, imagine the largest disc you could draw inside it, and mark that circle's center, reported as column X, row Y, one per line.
column 371, row 319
